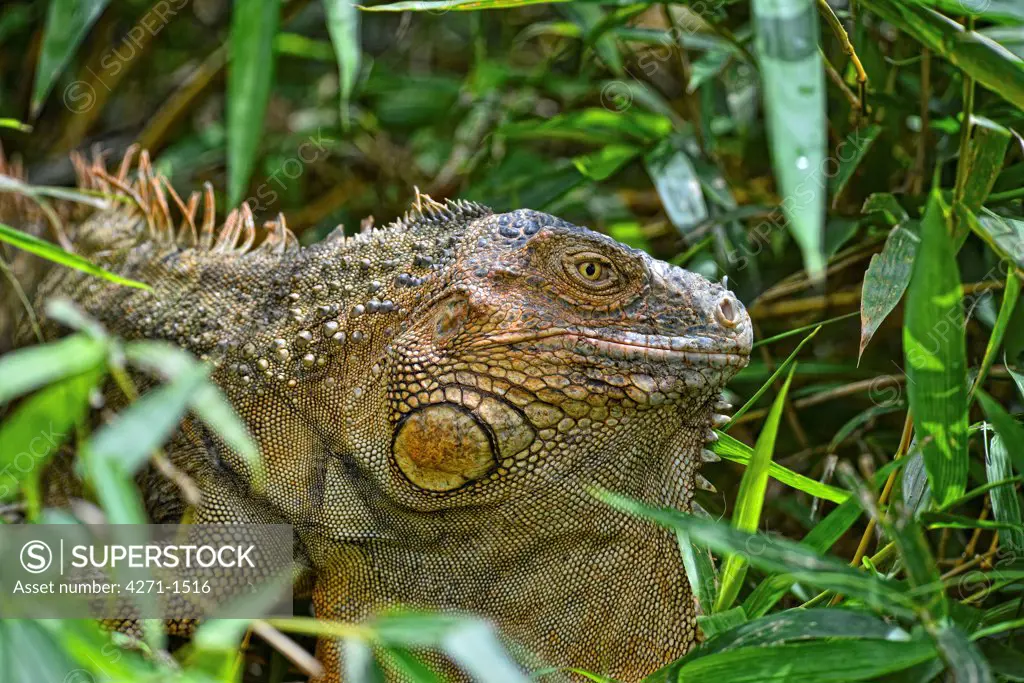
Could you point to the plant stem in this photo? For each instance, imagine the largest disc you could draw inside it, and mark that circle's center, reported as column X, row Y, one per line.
column 844, row 40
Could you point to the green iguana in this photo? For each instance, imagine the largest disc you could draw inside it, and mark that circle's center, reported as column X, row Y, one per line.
column 433, row 402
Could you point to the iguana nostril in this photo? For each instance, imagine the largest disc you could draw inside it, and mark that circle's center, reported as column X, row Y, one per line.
column 727, row 312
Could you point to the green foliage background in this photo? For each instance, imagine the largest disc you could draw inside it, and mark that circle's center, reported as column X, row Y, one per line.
column 825, row 156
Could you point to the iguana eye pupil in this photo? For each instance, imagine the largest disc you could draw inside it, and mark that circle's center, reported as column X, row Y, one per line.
column 591, row 270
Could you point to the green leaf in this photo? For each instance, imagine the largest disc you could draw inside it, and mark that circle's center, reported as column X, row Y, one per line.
column 457, row 5
column 935, row 351
column 713, row 624
column 888, row 204
column 945, row 520
column 408, row 667
column 886, row 280
column 67, row 22
column 992, row 10
column 1018, row 379
column 699, row 566
column 115, row 488
column 34, row 432
column 794, row 92
column 141, row 428
column 1011, row 294
column 595, row 25
column 1009, row 430
column 823, row 536
column 920, row 567
column 1005, row 235
column 92, row 198
column 987, row 152
column 964, row 660
column 15, row 124
column 737, row 451
column 772, row 554
column 850, row 154
column 250, row 75
column 598, row 126
column 979, row 57
column 29, row 652
column 811, row 662
column 750, row 499
column 207, row 401
column 475, row 647
column 771, row 380
column 676, row 180
column 606, row 162
column 28, row 369
column 1005, row 502
column 343, row 25
column 360, row 664
column 799, row 625
column 52, row 252
column 295, row 45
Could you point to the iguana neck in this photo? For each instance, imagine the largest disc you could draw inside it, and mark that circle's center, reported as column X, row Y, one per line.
column 600, row 589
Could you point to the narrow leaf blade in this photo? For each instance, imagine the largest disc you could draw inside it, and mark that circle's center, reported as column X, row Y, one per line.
column 250, row 75
column 935, row 349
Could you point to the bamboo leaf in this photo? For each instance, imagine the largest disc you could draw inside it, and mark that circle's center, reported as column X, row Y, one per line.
column 712, row 625
column 737, row 451
column 794, row 91
column 140, row 429
column 457, row 5
column 813, row 662
column 52, row 252
column 886, row 280
column 935, row 351
column 1005, row 502
column 964, row 661
column 993, row 10
column 343, row 25
column 34, row 432
column 1004, row 234
column 475, row 647
column 699, row 566
column 801, row 625
column 1011, row 295
column 606, row 162
column 36, row 366
column 676, row 180
column 207, row 401
column 987, row 152
column 822, row 537
column 981, row 58
column 598, row 126
column 750, row 499
column 67, row 22
column 1010, row 431
column 15, row 124
column 771, row 380
column 250, row 75
column 772, row 554
column 860, row 142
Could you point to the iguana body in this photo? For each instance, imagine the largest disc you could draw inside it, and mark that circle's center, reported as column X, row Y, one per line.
column 432, row 401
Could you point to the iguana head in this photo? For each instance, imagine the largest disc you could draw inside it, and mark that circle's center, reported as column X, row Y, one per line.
column 548, row 349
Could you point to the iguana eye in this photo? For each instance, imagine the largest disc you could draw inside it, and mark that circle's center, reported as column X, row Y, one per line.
column 591, row 270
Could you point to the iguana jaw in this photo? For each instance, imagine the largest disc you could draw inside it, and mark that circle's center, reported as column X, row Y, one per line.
column 691, row 351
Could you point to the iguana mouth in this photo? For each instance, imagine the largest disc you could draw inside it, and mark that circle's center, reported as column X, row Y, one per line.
column 691, row 350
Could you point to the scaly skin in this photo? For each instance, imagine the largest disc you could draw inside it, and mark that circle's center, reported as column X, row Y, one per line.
column 433, row 400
